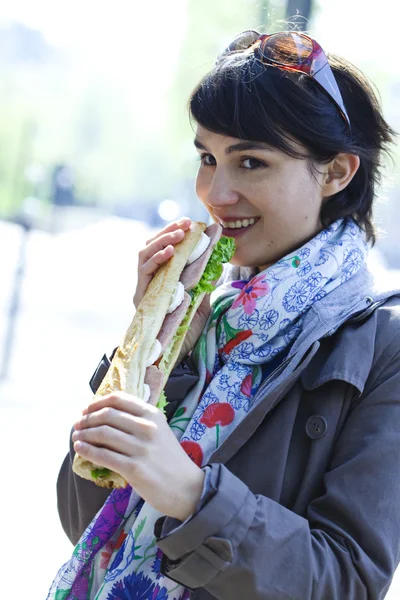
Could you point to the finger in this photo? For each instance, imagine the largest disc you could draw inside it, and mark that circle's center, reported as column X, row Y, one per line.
column 123, row 402
column 147, row 271
column 183, row 223
column 107, row 437
column 149, row 266
column 109, row 418
column 102, row 456
column 157, row 252
column 151, row 258
column 158, row 244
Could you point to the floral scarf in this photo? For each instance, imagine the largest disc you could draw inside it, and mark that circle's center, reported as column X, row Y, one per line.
column 251, row 323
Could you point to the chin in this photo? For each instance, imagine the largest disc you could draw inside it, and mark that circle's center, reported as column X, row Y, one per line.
column 246, row 257
column 239, row 261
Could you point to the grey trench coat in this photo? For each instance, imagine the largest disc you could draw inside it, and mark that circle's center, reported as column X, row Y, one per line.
column 303, row 499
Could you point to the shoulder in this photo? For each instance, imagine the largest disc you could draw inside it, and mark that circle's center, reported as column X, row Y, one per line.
column 387, row 330
column 387, row 334
column 362, row 349
column 388, row 313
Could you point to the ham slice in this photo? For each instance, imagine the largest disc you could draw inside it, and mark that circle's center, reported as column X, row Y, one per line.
column 172, row 322
column 191, row 274
column 154, row 378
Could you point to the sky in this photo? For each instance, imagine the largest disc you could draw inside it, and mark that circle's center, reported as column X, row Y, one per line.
column 112, row 38
column 359, row 29
column 74, row 22
column 109, row 34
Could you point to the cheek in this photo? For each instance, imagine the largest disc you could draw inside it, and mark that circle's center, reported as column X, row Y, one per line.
column 309, row 201
column 200, row 187
column 203, row 184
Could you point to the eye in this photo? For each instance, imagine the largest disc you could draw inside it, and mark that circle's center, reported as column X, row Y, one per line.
column 252, row 163
column 207, row 160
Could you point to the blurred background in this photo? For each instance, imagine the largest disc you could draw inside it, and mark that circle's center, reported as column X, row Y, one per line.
column 96, row 154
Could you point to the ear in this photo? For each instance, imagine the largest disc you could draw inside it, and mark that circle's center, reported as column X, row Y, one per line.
column 340, row 171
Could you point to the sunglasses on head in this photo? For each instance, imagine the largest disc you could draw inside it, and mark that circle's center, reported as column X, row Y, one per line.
column 292, row 51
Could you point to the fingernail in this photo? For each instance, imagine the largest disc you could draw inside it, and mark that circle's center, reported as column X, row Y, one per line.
column 75, row 436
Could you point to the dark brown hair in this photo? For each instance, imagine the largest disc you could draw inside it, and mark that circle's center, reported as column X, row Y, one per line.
column 245, row 99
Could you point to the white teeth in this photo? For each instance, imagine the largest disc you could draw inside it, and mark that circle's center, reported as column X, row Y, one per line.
column 239, row 224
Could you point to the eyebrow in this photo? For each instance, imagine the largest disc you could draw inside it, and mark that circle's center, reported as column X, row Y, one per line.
column 239, row 147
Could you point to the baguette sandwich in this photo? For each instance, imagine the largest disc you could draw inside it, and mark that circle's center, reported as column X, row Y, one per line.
column 143, row 362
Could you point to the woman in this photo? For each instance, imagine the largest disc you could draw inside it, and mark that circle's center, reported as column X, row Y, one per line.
column 289, row 405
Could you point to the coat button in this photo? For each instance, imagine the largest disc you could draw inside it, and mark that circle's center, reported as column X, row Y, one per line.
column 316, row 427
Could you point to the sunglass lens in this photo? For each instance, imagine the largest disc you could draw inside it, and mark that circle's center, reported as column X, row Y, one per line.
column 286, row 48
column 243, row 41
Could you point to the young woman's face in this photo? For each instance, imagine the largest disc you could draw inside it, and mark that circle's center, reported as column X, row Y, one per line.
column 267, row 200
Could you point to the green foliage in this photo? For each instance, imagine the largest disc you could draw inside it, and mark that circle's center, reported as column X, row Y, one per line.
column 210, row 27
column 125, row 143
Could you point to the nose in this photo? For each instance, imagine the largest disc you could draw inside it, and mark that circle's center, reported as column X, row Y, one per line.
column 221, row 191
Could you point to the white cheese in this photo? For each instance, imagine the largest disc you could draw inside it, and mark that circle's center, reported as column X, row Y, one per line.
column 146, row 392
column 177, row 298
column 201, row 247
column 154, row 353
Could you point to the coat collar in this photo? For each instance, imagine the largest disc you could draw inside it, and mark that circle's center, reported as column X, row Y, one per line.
column 347, row 357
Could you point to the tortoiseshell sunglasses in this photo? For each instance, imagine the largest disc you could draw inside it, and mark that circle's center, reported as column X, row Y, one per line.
column 293, row 51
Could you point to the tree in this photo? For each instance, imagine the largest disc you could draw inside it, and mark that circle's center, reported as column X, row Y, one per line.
column 299, row 12
column 211, row 26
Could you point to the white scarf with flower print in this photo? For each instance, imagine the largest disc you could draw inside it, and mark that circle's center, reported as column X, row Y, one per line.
column 251, row 323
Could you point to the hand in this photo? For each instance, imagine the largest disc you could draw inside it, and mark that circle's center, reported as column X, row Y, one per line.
column 157, row 251
column 122, row 433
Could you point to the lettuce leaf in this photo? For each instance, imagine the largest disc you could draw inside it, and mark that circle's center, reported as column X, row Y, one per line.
column 162, row 401
column 222, row 253
column 96, row 473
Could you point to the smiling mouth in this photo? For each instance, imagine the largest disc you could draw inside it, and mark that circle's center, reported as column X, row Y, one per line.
column 239, row 224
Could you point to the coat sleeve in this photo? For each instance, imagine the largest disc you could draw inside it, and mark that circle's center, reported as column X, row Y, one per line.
column 78, row 500
column 240, row 545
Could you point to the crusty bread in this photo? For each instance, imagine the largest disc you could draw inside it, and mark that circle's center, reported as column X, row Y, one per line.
column 84, row 468
column 128, row 367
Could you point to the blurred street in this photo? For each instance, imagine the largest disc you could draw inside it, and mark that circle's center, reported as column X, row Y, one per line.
column 75, row 305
